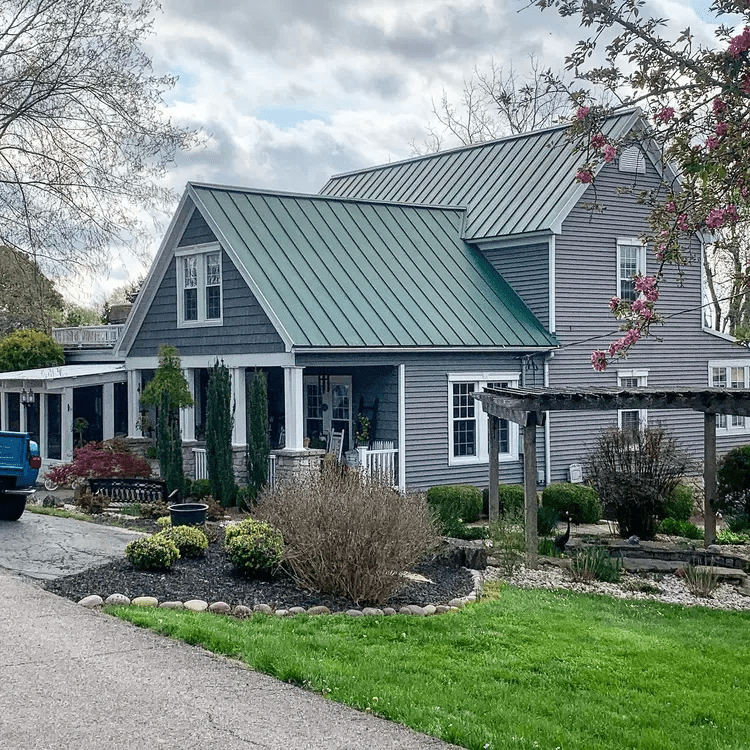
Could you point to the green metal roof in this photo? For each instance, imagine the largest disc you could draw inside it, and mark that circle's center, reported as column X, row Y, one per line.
column 336, row 272
column 515, row 185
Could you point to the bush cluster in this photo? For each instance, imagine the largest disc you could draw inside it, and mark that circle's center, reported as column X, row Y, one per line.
column 454, row 504
column 511, row 497
column 155, row 552
column 633, row 472
column 679, row 504
column 190, row 542
column 112, row 458
column 254, row 547
column 680, row 528
column 595, row 564
column 578, row 500
column 733, row 482
column 92, row 503
column 348, row 536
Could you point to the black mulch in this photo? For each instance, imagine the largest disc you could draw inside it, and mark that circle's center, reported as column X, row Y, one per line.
column 213, row 578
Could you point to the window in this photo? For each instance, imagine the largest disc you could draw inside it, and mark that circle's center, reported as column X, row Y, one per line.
column 632, row 420
column 731, row 375
column 199, row 282
column 468, row 429
column 631, row 261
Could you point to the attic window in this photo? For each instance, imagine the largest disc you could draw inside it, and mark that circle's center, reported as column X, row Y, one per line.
column 632, row 160
column 199, row 285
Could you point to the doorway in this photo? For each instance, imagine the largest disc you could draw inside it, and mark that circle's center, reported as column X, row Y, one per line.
column 327, row 408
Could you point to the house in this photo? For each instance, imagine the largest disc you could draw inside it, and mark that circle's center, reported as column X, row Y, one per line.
column 399, row 291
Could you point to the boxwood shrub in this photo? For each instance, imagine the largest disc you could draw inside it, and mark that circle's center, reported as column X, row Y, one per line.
column 254, row 547
column 511, row 498
column 580, row 500
column 679, row 504
column 454, row 503
column 152, row 553
column 191, row 542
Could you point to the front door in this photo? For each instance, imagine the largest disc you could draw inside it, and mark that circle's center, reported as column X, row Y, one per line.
column 327, row 407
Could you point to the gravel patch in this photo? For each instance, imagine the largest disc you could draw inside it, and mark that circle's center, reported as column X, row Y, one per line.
column 671, row 588
column 213, row 578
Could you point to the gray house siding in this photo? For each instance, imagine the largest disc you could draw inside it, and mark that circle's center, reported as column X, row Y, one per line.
column 526, row 269
column 246, row 328
column 586, row 274
column 197, row 232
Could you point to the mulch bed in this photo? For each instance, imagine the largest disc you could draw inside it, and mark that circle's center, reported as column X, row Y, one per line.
column 213, row 578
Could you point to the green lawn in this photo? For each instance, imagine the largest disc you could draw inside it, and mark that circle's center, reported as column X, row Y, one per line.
column 531, row 669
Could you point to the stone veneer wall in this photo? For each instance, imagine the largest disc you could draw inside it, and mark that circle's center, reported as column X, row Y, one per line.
column 293, row 465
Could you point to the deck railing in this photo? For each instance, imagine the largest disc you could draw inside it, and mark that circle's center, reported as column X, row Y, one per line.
column 201, row 467
column 88, row 337
column 380, row 461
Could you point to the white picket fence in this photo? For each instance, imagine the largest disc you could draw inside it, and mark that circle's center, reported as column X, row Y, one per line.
column 201, row 467
column 379, row 461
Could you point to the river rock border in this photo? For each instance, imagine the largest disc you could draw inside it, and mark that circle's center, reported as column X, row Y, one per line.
column 94, row 601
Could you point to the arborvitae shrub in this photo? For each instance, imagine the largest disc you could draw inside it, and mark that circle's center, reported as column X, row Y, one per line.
column 679, row 504
column 579, row 500
column 733, row 482
column 219, row 420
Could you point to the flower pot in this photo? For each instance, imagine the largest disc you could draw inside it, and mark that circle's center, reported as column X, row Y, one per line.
column 188, row 514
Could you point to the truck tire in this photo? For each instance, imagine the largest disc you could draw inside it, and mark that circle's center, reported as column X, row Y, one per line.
column 12, row 507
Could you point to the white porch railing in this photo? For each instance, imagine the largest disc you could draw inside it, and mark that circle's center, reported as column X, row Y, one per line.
column 271, row 471
column 88, row 337
column 379, row 461
column 201, row 467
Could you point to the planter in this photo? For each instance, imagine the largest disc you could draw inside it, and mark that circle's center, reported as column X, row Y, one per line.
column 188, row 514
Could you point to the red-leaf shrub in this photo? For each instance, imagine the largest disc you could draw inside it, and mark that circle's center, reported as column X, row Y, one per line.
column 112, row 458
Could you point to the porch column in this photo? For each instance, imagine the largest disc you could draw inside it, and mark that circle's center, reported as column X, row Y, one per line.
column 108, row 411
column 494, row 450
column 43, row 440
column 402, row 428
column 187, row 413
column 134, row 404
column 66, row 425
column 293, row 414
column 239, row 398
column 529, row 486
column 709, row 478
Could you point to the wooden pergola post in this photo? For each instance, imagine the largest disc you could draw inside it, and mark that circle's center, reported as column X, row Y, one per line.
column 529, row 488
column 709, row 478
column 494, row 450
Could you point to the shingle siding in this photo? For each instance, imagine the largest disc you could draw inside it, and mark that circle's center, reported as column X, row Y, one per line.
column 246, row 328
column 586, row 274
column 197, row 232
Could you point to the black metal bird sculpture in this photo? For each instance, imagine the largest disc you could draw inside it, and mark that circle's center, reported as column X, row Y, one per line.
column 562, row 539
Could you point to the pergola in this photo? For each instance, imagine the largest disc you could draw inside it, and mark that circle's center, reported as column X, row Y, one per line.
column 528, row 406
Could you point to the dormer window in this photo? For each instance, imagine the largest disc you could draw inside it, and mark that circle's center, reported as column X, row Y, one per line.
column 199, row 285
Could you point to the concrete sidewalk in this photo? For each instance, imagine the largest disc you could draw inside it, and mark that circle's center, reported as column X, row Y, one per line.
column 75, row 678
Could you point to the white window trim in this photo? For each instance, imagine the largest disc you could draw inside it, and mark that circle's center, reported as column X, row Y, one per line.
column 480, row 379
column 727, row 364
column 629, row 242
column 642, row 376
column 198, row 250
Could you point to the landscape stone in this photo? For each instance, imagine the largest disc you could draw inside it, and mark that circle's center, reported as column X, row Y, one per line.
column 404, row 611
column 319, row 609
column 466, row 553
column 354, row 612
column 281, row 613
column 92, row 601
column 221, row 608
column 371, row 611
column 263, row 609
column 118, row 599
column 458, row 603
column 441, row 609
column 429, row 609
column 144, row 601
column 172, row 605
column 416, row 610
column 196, row 605
column 389, row 611
column 297, row 611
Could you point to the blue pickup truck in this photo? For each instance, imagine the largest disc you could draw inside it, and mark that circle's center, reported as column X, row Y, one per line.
column 19, row 466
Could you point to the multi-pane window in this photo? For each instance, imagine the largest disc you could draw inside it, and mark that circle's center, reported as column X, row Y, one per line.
column 630, row 262
column 730, row 375
column 199, row 276
column 313, row 410
column 632, row 420
column 468, row 436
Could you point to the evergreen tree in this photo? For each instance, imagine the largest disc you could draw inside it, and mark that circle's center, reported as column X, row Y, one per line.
column 258, row 444
column 219, row 421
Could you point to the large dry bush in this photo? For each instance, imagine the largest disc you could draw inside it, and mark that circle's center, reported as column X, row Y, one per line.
column 348, row 536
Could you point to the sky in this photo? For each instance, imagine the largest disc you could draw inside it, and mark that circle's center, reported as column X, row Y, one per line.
column 287, row 93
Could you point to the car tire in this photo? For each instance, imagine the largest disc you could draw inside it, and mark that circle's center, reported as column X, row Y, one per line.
column 12, row 507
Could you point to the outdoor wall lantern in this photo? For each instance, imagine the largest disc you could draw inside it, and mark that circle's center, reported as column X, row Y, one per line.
column 27, row 396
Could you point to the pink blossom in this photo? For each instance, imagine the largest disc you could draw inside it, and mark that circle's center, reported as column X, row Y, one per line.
column 598, row 140
column 652, row 294
column 647, row 314
column 666, row 114
column 682, row 223
column 711, row 142
column 719, row 106
column 715, row 218
column 731, row 213
column 638, row 306
column 644, row 283
column 582, row 112
column 614, row 303
column 740, row 43
column 599, row 360
column 746, row 84
column 631, row 337
column 609, row 153
column 585, row 176
column 670, row 206
column 745, row 192
column 721, row 128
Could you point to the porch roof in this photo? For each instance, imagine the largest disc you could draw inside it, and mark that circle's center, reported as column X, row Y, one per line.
column 334, row 272
column 55, row 378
